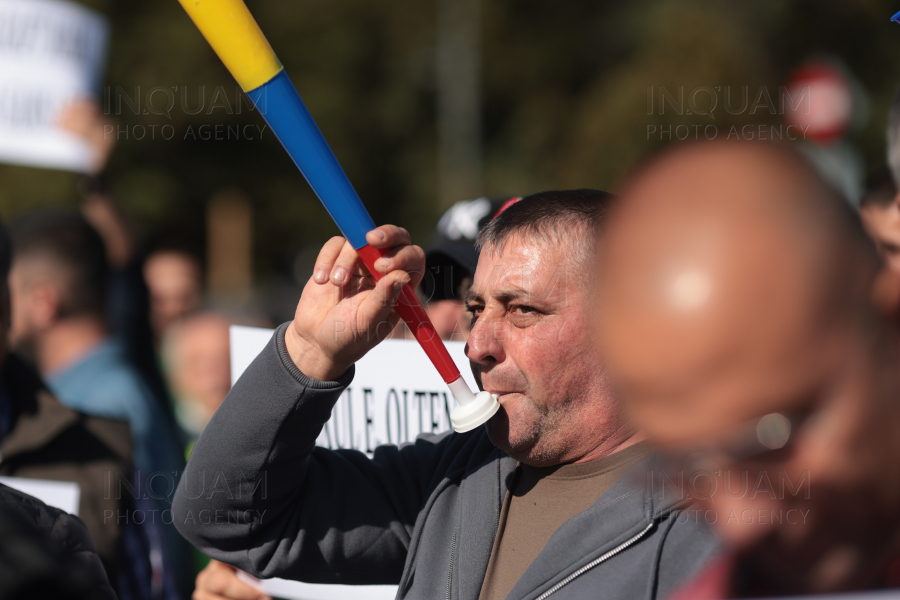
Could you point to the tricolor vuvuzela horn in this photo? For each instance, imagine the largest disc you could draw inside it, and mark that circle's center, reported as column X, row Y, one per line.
column 234, row 35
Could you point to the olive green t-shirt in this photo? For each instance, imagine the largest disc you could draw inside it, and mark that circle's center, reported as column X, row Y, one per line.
column 538, row 502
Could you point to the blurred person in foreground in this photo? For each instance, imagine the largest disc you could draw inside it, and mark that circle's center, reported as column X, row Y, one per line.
column 42, row 439
column 58, row 280
column 746, row 321
column 548, row 497
column 46, row 553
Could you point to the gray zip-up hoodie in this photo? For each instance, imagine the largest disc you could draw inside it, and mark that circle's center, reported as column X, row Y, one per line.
column 259, row 495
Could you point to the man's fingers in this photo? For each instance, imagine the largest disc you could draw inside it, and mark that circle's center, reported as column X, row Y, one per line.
column 345, row 266
column 338, row 262
column 388, row 236
column 410, row 259
column 221, row 581
column 327, row 257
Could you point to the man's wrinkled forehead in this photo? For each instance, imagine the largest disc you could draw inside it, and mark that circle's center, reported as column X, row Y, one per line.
column 525, row 269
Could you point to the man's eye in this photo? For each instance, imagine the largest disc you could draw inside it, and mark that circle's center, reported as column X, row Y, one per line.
column 474, row 310
column 522, row 309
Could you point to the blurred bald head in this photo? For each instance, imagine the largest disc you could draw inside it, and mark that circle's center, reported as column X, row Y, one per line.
column 723, row 262
column 737, row 286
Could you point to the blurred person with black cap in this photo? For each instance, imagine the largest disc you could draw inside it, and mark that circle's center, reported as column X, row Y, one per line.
column 450, row 263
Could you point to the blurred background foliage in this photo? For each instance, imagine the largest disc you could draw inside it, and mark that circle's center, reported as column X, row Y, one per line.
column 564, row 102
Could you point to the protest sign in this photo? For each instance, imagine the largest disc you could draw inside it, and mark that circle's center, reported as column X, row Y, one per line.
column 64, row 495
column 51, row 53
column 396, row 393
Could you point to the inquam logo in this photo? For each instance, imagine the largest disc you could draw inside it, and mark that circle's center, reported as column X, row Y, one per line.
column 711, row 102
column 162, row 101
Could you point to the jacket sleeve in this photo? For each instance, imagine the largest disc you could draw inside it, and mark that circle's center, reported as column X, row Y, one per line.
column 259, row 495
column 78, row 553
column 52, row 550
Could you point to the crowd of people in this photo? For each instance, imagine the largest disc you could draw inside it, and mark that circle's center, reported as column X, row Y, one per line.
column 112, row 364
column 698, row 380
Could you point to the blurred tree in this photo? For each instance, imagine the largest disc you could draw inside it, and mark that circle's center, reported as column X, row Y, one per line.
column 565, row 88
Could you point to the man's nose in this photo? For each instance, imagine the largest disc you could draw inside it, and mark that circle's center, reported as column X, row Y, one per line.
column 485, row 345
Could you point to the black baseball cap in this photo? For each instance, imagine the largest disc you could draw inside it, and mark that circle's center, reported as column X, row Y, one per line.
column 451, row 256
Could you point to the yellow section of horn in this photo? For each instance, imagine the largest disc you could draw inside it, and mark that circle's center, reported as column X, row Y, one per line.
column 233, row 33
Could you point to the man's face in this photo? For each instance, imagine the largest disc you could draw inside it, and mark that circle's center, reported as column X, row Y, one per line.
column 531, row 345
column 198, row 362
column 883, row 224
column 173, row 280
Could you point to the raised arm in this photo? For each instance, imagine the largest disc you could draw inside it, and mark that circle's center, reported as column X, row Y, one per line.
column 256, row 494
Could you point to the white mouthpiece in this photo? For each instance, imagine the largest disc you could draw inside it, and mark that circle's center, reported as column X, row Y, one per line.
column 472, row 410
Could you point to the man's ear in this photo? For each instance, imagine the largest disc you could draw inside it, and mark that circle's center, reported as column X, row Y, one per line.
column 886, row 293
column 46, row 303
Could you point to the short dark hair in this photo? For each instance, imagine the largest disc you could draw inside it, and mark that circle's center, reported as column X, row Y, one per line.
column 67, row 242
column 550, row 217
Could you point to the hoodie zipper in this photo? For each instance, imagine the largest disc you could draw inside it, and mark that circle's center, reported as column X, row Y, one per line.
column 453, row 543
column 623, row 546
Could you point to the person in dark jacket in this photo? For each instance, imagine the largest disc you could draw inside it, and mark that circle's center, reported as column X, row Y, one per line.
column 46, row 553
column 548, row 499
column 46, row 440
column 40, row 438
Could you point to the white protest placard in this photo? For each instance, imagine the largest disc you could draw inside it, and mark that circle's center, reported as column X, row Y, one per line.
column 396, row 394
column 64, row 495
column 296, row 590
column 51, row 53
